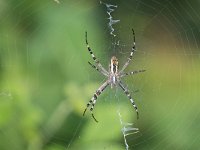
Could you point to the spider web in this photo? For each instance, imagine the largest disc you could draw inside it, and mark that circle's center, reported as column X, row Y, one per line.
column 45, row 81
column 127, row 128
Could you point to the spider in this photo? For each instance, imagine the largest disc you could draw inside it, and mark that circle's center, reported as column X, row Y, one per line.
column 114, row 76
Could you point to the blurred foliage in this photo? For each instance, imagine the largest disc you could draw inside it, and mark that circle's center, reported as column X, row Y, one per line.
column 45, row 81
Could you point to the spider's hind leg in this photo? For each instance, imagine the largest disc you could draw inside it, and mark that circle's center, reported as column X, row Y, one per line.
column 126, row 91
column 91, row 110
column 94, row 99
column 93, row 116
column 88, row 104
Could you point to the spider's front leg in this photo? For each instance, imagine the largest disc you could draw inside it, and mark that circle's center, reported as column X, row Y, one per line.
column 94, row 98
column 131, row 54
column 98, row 64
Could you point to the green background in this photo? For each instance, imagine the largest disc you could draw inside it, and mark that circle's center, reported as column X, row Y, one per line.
column 46, row 82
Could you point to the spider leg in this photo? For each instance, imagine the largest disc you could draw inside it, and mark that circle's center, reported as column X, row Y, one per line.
column 94, row 98
column 94, row 58
column 132, row 72
column 126, row 91
column 95, row 67
column 131, row 54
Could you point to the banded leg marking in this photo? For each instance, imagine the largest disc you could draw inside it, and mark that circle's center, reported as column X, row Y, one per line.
column 103, row 70
column 131, row 54
column 94, row 98
column 132, row 72
column 95, row 67
column 130, row 98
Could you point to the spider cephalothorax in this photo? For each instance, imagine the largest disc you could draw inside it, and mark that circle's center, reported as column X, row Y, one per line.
column 114, row 61
column 113, row 71
column 114, row 76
